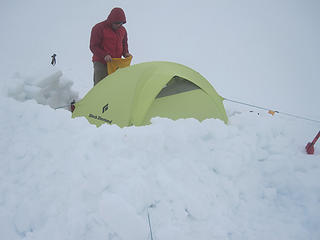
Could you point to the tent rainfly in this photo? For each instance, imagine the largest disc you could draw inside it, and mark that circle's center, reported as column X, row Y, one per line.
column 135, row 94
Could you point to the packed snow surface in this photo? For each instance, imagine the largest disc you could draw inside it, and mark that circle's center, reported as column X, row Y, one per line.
column 62, row 178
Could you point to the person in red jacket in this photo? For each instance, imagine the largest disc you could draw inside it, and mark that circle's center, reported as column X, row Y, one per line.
column 108, row 40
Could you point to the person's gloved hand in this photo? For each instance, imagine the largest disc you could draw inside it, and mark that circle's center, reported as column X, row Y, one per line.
column 126, row 55
column 108, row 58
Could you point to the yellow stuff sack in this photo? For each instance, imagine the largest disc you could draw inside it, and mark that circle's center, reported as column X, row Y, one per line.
column 118, row 63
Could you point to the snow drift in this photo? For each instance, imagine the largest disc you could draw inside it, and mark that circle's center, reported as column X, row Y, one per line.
column 66, row 179
column 62, row 178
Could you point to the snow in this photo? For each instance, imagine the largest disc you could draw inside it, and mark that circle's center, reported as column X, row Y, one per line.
column 62, row 178
column 52, row 90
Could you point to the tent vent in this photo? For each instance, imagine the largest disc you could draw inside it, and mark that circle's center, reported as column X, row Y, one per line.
column 177, row 85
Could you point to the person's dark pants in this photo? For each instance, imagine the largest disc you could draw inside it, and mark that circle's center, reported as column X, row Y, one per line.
column 100, row 72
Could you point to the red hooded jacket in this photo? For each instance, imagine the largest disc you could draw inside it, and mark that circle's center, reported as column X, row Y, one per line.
column 106, row 41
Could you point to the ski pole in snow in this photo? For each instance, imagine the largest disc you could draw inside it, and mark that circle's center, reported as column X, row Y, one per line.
column 310, row 145
column 149, row 222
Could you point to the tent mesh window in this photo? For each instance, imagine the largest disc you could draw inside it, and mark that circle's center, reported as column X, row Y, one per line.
column 177, row 85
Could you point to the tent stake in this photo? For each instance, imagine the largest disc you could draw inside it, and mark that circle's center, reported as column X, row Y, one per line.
column 310, row 145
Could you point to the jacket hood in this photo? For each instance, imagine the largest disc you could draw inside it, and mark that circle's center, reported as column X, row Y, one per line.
column 116, row 15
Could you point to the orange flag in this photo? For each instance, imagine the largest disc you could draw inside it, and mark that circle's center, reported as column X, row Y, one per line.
column 272, row 112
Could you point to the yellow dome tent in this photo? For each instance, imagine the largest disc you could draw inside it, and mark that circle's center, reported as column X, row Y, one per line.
column 135, row 94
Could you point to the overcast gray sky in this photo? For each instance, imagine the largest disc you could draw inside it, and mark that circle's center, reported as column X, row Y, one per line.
column 264, row 52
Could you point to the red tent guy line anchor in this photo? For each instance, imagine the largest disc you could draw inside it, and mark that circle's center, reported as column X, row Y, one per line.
column 310, row 145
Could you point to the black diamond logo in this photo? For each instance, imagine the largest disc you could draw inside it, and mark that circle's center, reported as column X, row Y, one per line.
column 105, row 108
